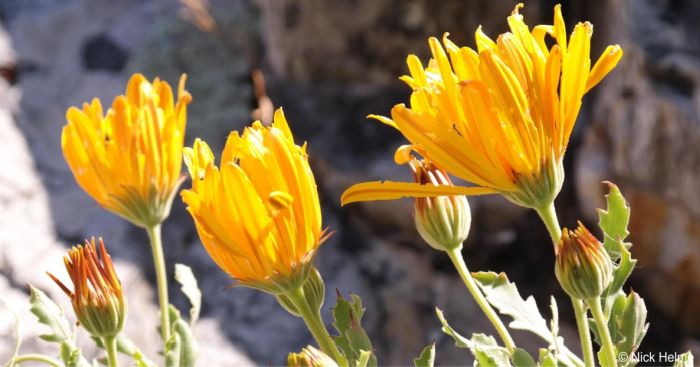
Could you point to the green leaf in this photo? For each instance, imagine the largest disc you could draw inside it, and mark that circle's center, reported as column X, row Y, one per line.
column 521, row 358
column 504, row 296
column 352, row 338
column 426, row 357
column 484, row 347
column 614, row 221
column 188, row 283
column 189, row 349
column 172, row 351
column 51, row 315
column 621, row 270
column 365, row 358
column 685, row 360
column 631, row 323
column 547, row 359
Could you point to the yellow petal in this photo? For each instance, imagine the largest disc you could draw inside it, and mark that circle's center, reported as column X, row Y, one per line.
column 384, row 120
column 607, row 61
column 389, row 190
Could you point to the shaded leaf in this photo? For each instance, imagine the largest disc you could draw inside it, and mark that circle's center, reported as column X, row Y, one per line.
column 188, row 283
column 426, row 357
column 484, row 347
column 352, row 339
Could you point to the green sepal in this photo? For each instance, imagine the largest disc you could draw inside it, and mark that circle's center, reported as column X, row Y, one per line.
column 426, row 357
column 685, row 360
column 352, row 338
column 484, row 347
column 188, row 285
column 314, row 293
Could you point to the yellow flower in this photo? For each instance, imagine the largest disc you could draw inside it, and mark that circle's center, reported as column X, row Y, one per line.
column 97, row 298
column 129, row 159
column 258, row 213
column 499, row 117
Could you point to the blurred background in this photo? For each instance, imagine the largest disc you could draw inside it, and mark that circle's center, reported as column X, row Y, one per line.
column 329, row 64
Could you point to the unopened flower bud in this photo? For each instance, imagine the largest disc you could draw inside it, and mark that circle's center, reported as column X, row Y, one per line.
column 583, row 267
column 442, row 221
column 310, row 357
column 97, row 297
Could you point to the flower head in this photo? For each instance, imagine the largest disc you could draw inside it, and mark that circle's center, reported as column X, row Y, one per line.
column 442, row 221
column 129, row 158
column 583, row 267
column 257, row 213
column 499, row 117
column 97, row 297
column 310, row 357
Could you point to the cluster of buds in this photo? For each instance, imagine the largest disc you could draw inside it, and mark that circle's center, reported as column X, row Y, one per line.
column 442, row 221
column 583, row 267
column 97, row 297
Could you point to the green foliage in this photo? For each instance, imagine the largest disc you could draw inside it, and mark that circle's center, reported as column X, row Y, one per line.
column 352, row 340
column 127, row 347
column 504, row 296
column 51, row 315
column 685, row 360
column 188, row 283
column 614, row 222
column 627, row 325
column 484, row 347
column 181, row 350
column 426, row 357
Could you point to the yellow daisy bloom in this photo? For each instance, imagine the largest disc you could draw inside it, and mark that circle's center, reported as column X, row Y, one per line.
column 257, row 213
column 129, row 159
column 499, row 117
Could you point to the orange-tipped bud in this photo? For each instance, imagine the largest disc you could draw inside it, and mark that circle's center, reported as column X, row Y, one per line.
column 442, row 221
column 583, row 267
column 97, row 297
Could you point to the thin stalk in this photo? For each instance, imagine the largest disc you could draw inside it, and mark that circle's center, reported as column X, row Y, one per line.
column 161, row 278
column 35, row 358
column 583, row 332
column 602, row 324
column 548, row 214
column 314, row 323
column 111, row 348
column 458, row 261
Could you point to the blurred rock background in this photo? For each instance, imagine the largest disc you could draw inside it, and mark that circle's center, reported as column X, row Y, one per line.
column 329, row 64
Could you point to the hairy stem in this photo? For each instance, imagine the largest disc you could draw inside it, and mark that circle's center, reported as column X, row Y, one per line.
column 608, row 358
column 162, row 280
column 111, row 348
column 314, row 323
column 458, row 261
column 583, row 332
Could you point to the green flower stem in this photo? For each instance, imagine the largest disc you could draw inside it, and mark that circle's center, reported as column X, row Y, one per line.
column 111, row 348
column 162, row 280
column 548, row 214
column 458, row 261
column 601, row 322
column 314, row 322
column 583, row 331
column 35, row 358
